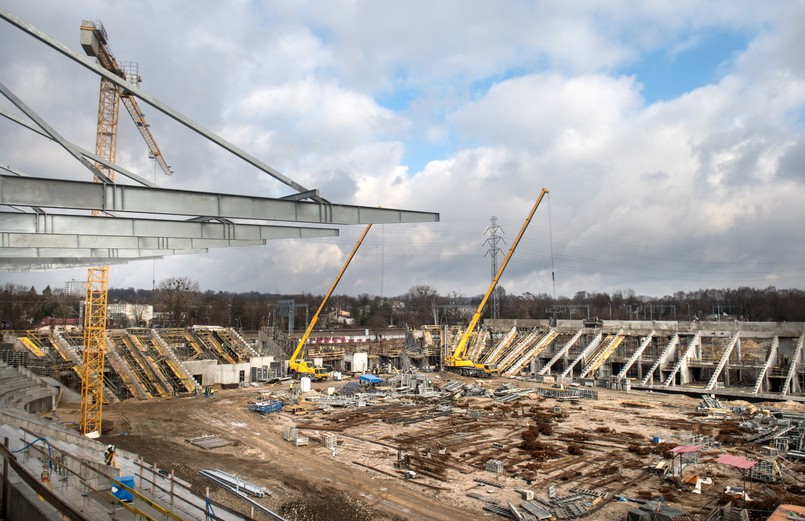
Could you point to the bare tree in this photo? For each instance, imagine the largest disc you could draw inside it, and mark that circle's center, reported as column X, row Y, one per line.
column 422, row 300
column 177, row 295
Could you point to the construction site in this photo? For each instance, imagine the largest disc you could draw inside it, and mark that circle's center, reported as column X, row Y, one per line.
column 546, row 419
column 581, row 420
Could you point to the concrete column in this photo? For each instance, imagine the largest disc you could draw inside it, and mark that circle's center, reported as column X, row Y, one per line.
column 4, row 512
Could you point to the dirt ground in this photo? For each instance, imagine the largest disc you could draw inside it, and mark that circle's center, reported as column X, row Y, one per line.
column 603, row 445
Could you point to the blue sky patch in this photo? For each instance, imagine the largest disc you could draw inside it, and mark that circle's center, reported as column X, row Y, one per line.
column 665, row 75
column 419, row 153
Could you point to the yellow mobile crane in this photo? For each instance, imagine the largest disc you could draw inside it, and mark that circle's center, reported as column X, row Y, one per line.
column 457, row 361
column 297, row 365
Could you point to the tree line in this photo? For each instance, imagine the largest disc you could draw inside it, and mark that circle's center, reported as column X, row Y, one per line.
column 179, row 302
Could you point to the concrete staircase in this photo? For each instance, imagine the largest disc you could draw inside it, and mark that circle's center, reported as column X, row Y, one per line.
column 591, row 347
column 537, row 348
column 662, row 358
column 173, row 361
column 559, row 354
column 246, row 345
column 723, row 361
column 602, row 355
column 125, row 373
column 775, row 344
column 517, row 348
column 683, row 359
column 639, row 351
column 478, row 344
column 792, row 368
column 68, row 351
column 501, row 346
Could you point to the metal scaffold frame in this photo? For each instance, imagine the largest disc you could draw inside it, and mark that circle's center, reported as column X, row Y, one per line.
column 94, row 349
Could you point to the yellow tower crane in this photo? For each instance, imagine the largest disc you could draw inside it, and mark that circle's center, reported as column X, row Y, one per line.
column 94, row 41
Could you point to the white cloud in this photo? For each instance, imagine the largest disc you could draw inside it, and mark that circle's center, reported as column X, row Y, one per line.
column 520, row 95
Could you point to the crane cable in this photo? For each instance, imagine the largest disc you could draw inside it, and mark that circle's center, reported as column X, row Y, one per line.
column 550, row 238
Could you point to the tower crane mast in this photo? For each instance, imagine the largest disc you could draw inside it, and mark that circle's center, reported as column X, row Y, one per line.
column 94, row 40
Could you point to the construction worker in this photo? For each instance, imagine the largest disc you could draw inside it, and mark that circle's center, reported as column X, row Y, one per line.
column 290, row 387
column 110, row 457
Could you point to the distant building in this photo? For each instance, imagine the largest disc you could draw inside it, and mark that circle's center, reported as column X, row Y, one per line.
column 340, row 316
column 76, row 288
column 134, row 314
column 58, row 324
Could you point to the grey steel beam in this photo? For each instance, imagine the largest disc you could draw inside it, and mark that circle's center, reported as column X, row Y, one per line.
column 124, row 226
column 52, row 133
column 99, row 253
column 53, row 240
column 78, row 195
column 150, row 100
column 24, row 264
column 86, row 153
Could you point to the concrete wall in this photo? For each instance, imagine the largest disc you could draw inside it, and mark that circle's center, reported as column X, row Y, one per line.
column 213, row 373
column 682, row 326
column 260, row 361
column 23, row 504
column 359, row 362
column 65, row 394
column 527, row 323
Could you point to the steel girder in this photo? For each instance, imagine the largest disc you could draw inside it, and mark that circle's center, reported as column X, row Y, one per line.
column 55, row 240
column 80, row 195
column 56, row 236
column 90, row 226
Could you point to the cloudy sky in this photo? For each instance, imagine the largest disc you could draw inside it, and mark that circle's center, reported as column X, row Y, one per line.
column 670, row 135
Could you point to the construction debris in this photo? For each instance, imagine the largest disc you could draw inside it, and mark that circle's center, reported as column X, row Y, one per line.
column 229, row 480
column 292, row 435
column 209, row 442
column 495, row 466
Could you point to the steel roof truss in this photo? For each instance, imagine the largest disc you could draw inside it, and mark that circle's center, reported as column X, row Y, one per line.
column 54, row 193
column 124, row 226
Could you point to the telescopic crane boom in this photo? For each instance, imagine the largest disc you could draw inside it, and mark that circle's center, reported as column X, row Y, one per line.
column 304, row 367
column 457, row 361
